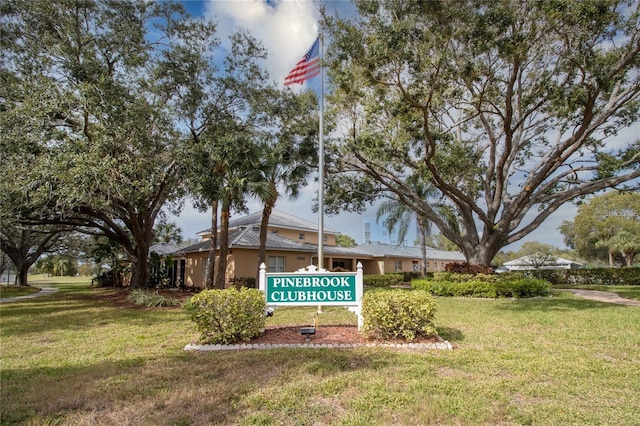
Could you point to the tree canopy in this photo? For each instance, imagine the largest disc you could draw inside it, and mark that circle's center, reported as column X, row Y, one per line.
column 90, row 143
column 609, row 223
column 510, row 109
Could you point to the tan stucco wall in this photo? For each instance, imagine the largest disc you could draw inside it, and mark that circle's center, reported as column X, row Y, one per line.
column 387, row 265
column 240, row 263
column 310, row 237
column 243, row 263
column 194, row 269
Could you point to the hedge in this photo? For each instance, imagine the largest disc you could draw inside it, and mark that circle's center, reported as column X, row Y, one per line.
column 227, row 316
column 595, row 276
column 390, row 314
column 493, row 288
column 385, row 280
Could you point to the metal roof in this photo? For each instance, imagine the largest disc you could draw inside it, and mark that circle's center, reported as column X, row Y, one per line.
column 391, row 250
column 249, row 238
column 164, row 249
column 277, row 219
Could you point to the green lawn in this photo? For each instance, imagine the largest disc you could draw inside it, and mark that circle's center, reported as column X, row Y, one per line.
column 14, row 290
column 35, row 282
column 71, row 359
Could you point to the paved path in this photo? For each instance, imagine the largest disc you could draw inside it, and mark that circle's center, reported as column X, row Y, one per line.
column 602, row 296
column 43, row 292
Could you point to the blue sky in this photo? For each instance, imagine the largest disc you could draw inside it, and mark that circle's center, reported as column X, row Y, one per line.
column 287, row 29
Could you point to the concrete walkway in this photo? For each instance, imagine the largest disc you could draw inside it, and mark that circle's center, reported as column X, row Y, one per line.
column 602, row 296
column 43, row 292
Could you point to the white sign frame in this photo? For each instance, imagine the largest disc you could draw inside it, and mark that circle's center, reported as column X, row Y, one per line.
column 355, row 307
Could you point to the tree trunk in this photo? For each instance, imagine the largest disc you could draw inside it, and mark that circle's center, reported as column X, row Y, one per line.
column 22, row 272
column 611, row 263
column 481, row 254
column 21, row 254
column 142, row 231
column 264, row 224
column 423, row 248
column 224, row 244
column 139, row 263
column 212, row 249
column 628, row 256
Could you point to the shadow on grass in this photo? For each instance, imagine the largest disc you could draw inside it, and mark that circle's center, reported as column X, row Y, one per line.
column 196, row 388
column 450, row 334
column 69, row 310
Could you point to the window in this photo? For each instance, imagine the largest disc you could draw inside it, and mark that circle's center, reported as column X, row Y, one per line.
column 301, row 236
column 276, row 264
column 415, row 265
column 397, row 265
column 205, row 267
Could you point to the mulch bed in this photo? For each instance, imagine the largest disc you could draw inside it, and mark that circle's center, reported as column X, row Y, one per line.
column 275, row 334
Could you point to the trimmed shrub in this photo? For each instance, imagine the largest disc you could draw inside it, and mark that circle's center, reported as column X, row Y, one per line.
column 398, row 313
column 595, row 276
column 151, row 300
column 249, row 282
column 460, row 278
column 412, row 275
column 227, row 316
column 385, row 280
column 465, row 268
column 495, row 287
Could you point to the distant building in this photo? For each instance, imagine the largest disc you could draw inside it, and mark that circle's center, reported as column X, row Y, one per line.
column 531, row 262
column 394, row 258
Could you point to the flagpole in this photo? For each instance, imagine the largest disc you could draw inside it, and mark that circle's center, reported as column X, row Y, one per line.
column 321, row 167
column 321, row 163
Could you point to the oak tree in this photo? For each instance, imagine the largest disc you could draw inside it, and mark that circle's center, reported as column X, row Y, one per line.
column 509, row 108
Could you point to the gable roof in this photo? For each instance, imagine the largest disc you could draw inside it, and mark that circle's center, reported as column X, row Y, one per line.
column 392, row 250
column 249, row 238
column 163, row 248
column 277, row 219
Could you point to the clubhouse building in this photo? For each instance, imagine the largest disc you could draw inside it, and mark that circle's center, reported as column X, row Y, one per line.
column 292, row 244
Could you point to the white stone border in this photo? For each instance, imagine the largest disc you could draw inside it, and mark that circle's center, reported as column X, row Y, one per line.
column 245, row 346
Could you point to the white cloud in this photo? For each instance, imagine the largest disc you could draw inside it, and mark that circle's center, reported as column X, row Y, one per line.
column 286, row 28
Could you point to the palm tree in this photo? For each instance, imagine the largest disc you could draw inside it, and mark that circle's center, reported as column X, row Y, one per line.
column 400, row 214
column 167, row 232
column 242, row 172
column 291, row 157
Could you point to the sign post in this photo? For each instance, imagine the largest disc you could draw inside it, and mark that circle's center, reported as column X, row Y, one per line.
column 313, row 286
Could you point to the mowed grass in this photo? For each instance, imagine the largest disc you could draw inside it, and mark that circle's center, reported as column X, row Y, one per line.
column 71, row 359
column 35, row 282
column 14, row 290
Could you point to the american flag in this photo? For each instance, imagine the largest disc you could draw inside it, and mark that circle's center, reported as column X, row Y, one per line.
column 308, row 67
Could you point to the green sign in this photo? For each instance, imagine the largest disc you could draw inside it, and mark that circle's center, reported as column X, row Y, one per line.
column 310, row 289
